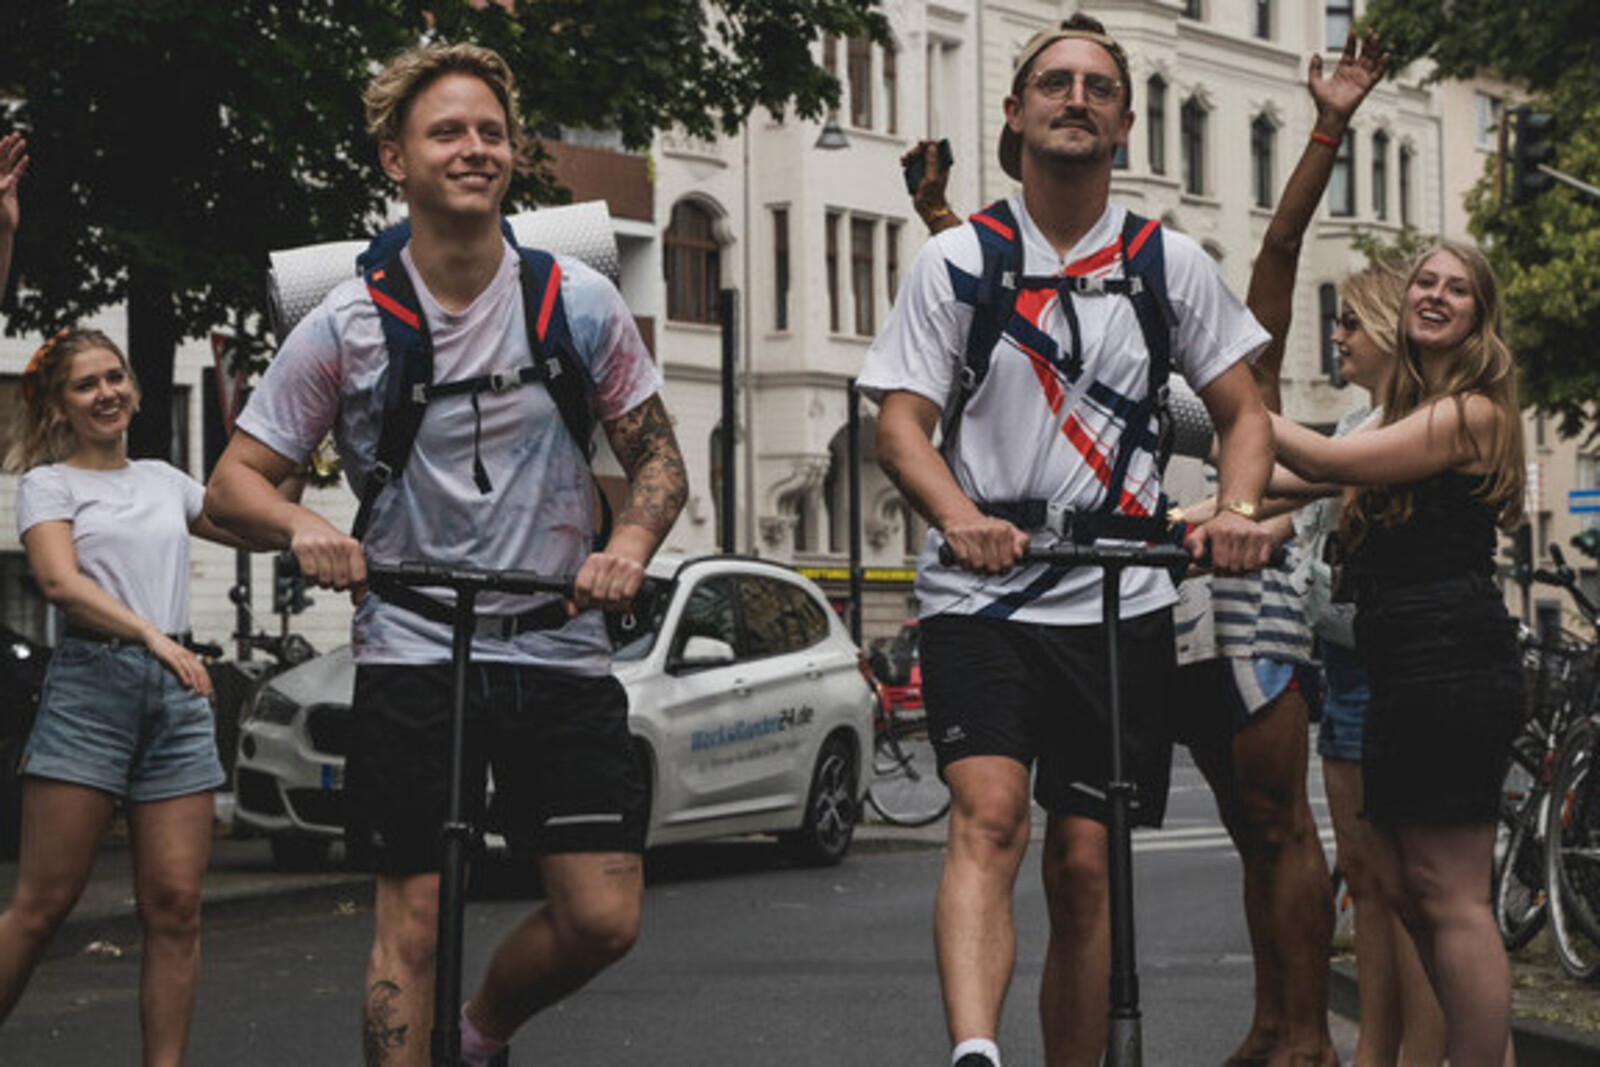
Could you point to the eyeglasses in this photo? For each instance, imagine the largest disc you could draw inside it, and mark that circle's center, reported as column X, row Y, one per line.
column 1057, row 83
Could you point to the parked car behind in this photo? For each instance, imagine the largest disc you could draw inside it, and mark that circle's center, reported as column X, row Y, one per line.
column 750, row 708
column 898, row 667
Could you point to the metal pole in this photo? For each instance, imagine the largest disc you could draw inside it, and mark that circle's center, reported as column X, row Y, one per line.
column 241, row 602
column 1125, row 1047
column 853, row 460
column 458, row 836
column 728, row 306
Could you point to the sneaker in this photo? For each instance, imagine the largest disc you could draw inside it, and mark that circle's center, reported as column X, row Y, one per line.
column 974, row 1059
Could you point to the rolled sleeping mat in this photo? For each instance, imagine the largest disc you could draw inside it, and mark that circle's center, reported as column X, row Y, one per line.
column 298, row 278
column 1191, row 422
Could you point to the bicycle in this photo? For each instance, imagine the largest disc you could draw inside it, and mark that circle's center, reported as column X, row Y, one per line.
column 1561, row 672
column 1571, row 853
column 905, row 789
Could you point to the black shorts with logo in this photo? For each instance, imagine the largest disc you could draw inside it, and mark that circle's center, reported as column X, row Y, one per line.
column 566, row 777
column 1038, row 694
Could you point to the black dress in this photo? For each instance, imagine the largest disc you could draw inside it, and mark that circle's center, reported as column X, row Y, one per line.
column 1442, row 657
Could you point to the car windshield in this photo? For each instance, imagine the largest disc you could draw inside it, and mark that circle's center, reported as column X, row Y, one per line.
column 634, row 634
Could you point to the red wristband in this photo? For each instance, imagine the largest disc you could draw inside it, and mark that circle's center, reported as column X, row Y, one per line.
column 1322, row 138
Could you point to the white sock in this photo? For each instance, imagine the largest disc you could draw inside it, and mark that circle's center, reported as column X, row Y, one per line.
column 477, row 1048
column 977, row 1044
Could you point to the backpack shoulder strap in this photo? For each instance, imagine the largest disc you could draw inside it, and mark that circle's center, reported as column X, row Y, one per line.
column 550, row 340
column 405, row 333
column 993, row 296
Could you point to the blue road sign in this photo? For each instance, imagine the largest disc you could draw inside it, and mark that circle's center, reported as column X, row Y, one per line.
column 1583, row 501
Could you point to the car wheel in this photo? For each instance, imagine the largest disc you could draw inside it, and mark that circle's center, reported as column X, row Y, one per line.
column 300, row 853
column 831, row 808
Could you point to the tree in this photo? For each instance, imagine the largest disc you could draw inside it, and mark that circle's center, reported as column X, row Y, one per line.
column 175, row 142
column 1546, row 252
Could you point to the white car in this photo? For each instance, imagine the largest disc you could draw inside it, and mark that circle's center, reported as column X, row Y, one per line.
column 750, row 708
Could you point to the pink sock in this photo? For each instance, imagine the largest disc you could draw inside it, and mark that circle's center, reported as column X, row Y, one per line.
column 477, row 1048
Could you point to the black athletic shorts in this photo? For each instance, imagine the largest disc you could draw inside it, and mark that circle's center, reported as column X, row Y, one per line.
column 565, row 772
column 1037, row 694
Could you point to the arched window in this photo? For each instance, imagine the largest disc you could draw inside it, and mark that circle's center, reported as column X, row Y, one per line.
column 693, row 264
column 1155, row 114
column 1263, row 136
column 1192, row 130
column 1380, row 174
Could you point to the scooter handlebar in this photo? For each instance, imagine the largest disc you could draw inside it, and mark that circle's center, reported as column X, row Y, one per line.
column 450, row 576
column 1126, row 555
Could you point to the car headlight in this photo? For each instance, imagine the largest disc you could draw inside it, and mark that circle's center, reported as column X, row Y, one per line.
column 273, row 707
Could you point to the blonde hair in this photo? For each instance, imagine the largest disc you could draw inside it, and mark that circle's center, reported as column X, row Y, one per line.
column 1375, row 295
column 1483, row 365
column 389, row 97
column 46, row 435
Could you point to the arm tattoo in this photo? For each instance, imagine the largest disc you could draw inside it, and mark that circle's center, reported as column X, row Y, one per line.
column 648, row 451
column 380, row 1035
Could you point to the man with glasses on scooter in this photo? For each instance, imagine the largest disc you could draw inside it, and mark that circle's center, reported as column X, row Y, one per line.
column 1051, row 430
column 495, row 479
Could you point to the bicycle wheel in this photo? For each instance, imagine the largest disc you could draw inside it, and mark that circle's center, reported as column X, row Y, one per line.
column 1519, row 896
column 1572, row 857
column 906, row 788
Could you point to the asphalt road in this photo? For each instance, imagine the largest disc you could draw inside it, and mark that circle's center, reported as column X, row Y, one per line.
column 743, row 961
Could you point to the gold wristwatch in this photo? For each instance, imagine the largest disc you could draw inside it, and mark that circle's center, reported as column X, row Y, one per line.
column 1242, row 508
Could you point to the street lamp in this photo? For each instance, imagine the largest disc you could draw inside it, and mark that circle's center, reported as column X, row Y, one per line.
column 832, row 137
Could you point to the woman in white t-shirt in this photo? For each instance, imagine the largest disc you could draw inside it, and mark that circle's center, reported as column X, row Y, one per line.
column 124, row 716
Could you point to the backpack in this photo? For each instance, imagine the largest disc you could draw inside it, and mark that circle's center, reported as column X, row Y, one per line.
column 993, row 295
column 410, row 383
column 410, row 387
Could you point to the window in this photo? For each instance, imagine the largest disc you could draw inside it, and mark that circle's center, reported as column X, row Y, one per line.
column 1119, row 158
column 779, row 617
column 891, row 260
column 858, row 72
column 1194, row 9
column 1380, row 175
column 1263, row 19
column 710, row 612
column 862, row 273
column 1155, row 113
column 1342, row 182
column 1328, row 308
column 1192, row 134
column 1406, row 215
column 1262, row 135
column 780, row 268
column 831, row 258
column 1486, row 113
column 891, row 104
column 693, row 264
column 1338, row 14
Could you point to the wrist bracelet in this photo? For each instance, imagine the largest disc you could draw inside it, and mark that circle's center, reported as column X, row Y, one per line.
column 1321, row 138
column 939, row 212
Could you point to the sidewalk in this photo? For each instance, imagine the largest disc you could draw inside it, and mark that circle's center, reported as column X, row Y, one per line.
column 242, row 874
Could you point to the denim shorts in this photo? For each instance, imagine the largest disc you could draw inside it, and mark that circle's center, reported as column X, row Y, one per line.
column 113, row 718
column 1344, row 708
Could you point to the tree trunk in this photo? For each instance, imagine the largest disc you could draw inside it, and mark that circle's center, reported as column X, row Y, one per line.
column 152, row 348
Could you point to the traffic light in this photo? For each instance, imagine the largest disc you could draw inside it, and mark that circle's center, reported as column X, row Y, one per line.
column 1520, row 555
column 288, row 587
column 1535, row 145
column 1588, row 542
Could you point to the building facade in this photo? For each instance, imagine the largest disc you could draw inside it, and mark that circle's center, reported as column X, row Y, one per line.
column 814, row 242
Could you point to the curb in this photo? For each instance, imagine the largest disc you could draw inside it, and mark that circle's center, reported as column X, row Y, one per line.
column 1538, row 1043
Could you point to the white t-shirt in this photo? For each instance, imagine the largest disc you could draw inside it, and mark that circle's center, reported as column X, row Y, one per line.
column 1027, row 433
column 330, row 374
column 130, row 530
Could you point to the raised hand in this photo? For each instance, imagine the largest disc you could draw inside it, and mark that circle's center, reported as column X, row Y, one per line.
column 1361, row 65
column 13, row 165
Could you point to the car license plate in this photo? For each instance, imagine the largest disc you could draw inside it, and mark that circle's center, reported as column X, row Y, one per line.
column 332, row 776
